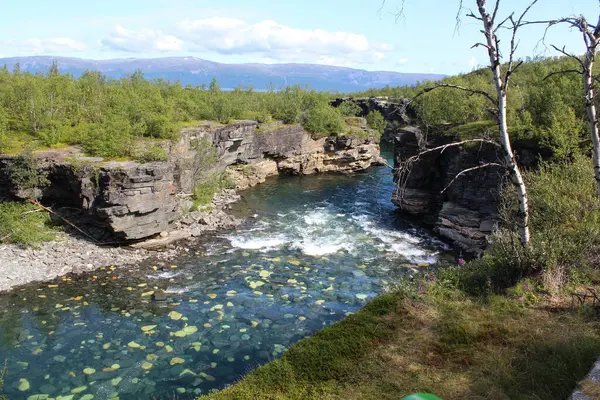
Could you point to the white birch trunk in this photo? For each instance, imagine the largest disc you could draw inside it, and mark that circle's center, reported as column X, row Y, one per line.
column 590, row 107
column 509, row 158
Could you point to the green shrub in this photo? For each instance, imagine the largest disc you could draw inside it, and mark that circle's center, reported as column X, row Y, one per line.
column 350, row 109
column 26, row 176
column 323, row 120
column 153, row 153
column 159, row 126
column 376, row 121
column 205, row 189
column 24, row 224
column 114, row 138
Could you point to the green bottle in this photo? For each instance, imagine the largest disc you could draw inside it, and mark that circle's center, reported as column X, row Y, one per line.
column 422, row 396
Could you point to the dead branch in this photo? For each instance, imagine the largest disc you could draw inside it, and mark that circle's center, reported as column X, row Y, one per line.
column 464, row 171
column 35, row 203
column 565, row 53
column 442, row 148
column 566, row 71
column 399, row 14
column 464, row 89
column 516, row 25
column 403, row 171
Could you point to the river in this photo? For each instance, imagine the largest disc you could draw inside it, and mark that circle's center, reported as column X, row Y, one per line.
column 313, row 250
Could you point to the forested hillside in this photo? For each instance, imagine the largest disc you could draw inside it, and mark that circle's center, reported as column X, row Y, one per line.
column 108, row 116
column 547, row 108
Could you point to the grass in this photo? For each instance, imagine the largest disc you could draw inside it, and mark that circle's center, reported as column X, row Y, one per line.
column 590, row 388
column 14, row 142
column 205, row 190
column 438, row 340
column 25, row 224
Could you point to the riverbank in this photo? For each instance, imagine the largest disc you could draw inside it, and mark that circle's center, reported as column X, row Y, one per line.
column 74, row 254
column 430, row 337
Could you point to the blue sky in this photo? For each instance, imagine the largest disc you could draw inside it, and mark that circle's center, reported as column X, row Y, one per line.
column 354, row 33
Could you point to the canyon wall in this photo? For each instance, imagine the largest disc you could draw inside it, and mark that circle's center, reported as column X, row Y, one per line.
column 464, row 210
column 130, row 200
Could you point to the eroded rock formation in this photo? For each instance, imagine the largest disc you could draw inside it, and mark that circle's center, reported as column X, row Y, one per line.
column 135, row 200
column 466, row 212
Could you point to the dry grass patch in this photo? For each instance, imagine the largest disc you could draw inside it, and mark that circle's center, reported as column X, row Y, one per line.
column 590, row 388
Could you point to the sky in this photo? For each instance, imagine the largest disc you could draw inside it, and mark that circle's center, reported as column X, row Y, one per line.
column 353, row 33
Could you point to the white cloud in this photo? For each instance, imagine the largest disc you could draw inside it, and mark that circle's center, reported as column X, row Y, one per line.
column 279, row 42
column 38, row 46
column 266, row 40
column 403, row 61
column 143, row 40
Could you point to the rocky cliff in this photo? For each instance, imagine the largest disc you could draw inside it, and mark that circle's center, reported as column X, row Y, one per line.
column 132, row 200
column 466, row 212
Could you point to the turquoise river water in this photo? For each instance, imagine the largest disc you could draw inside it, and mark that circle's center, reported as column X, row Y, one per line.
column 314, row 250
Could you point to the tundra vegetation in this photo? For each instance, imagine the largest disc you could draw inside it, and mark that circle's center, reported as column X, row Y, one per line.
column 111, row 118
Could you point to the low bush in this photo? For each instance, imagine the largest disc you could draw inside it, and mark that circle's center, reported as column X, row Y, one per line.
column 207, row 187
column 376, row 121
column 153, row 153
column 25, row 175
column 350, row 109
column 25, row 224
column 323, row 121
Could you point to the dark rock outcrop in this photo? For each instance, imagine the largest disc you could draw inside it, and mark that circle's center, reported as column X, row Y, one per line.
column 466, row 210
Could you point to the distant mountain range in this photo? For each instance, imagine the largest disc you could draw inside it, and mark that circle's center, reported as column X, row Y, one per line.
column 196, row 71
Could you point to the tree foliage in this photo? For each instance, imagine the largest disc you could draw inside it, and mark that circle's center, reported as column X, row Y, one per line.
column 109, row 117
column 548, row 110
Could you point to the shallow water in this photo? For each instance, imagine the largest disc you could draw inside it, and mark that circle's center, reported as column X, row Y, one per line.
column 314, row 250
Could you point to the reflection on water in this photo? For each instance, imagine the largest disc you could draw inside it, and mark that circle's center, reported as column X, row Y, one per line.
column 314, row 249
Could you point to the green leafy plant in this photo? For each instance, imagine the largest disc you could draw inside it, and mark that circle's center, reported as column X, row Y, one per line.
column 26, row 176
column 153, row 153
column 350, row 109
column 205, row 189
column 376, row 121
column 25, row 224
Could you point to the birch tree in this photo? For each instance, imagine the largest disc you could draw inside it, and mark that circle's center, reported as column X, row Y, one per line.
column 591, row 38
column 502, row 71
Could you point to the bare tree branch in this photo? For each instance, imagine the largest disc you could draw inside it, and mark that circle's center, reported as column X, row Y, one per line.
column 399, row 14
column 564, row 52
column 442, row 148
column 566, row 71
column 516, row 25
column 458, row 87
column 464, row 171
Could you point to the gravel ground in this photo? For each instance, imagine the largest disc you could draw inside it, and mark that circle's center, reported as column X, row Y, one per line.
column 70, row 254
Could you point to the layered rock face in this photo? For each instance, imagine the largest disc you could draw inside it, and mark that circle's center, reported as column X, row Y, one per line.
column 465, row 210
column 135, row 200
